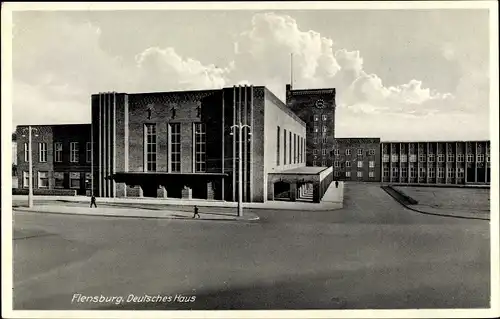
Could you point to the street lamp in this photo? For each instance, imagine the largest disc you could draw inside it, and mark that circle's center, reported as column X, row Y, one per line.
column 30, row 159
column 240, row 128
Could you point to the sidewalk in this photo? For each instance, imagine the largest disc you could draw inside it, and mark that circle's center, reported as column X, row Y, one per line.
column 333, row 199
column 136, row 213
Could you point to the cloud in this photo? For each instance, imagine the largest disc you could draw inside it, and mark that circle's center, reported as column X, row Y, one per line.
column 164, row 68
column 263, row 56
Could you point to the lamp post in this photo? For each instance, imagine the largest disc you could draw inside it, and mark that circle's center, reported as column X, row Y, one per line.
column 30, row 159
column 240, row 128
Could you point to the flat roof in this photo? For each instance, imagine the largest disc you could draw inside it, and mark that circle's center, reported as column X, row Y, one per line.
column 302, row 170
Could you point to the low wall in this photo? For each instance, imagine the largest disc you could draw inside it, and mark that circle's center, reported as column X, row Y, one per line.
column 399, row 195
column 45, row 192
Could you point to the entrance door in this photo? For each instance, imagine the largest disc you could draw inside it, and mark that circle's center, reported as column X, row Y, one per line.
column 149, row 190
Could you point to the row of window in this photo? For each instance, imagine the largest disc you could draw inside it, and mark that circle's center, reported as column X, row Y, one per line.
column 295, row 144
column 324, row 117
column 440, row 158
column 58, row 149
column 324, row 128
column 358, row 174
column 43, row 180
column 371, row 164
column 360, row 152
column 431, row 172
column 150, row 147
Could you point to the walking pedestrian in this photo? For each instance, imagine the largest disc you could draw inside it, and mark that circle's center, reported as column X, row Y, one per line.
column 336, row 184
column 196, row 212
column 92, row 202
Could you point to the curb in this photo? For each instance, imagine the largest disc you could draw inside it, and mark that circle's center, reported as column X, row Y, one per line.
column 399, row 200
column 27, row 210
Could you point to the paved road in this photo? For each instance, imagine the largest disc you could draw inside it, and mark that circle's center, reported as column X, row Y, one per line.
column 371, row 254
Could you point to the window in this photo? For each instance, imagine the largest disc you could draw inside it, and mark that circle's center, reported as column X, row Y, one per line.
column 26, row 179
column 43, row 179
column 421, row 158
column 421, row 172
column 395, row 172
column 175, row 145
column 371, row 174
column 413, row 158
column 284, row 147
column 413, row 172
column 323, row 163
column 278, row 139
column 371, row 164
column 42, row 152
column 480, row 158
column 294, row 148
column 290, row 148
column 432, row 172
column 325, row 128
column 89, row 152
column 324, row 117
column 316, row 118
column 316, row 128
column 386, row 172
column 74, row 155
column 359, row 174
column 394, row 157
column 347, row 174
column 337, row 152
column 460, row 173
column 470, row 158
column 431, row 158
column 324, row 152
column 348, row 164
column 440, row 158
column 372, row 152
column 440, row 172
column 58, row 152
column 150, row 150
column 488, row 158
column 337, row 164
column 315, row 140
column 451, row 158
column 336, row 173
column 404, row 172
column 360, row 164
column 314, row 163
column 26, row 152
column 385, row 158
column 348, row 151
column 74, row 180
column 360, row 151
column 325, row 140
column 88, row 180
column 460, row 157
column 404, row 158
column 315, row 152
column 200, row 147
column 58, row 180
column 450, row 172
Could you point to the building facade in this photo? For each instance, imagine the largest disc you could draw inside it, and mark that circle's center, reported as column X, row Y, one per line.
column 172, row 143
column 317, row 109
column 61, row 157
column 357, row 159
column 447, row 162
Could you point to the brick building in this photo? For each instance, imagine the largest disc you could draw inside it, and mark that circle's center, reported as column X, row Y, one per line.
column 164, row 144
column 61, row 157
column 357, row 159
column 447, row 162
column 317, row 109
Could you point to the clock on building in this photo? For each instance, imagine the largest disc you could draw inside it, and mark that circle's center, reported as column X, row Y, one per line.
column 320, row 104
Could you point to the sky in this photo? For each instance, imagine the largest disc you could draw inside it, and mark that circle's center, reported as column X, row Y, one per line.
column 399, row 74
